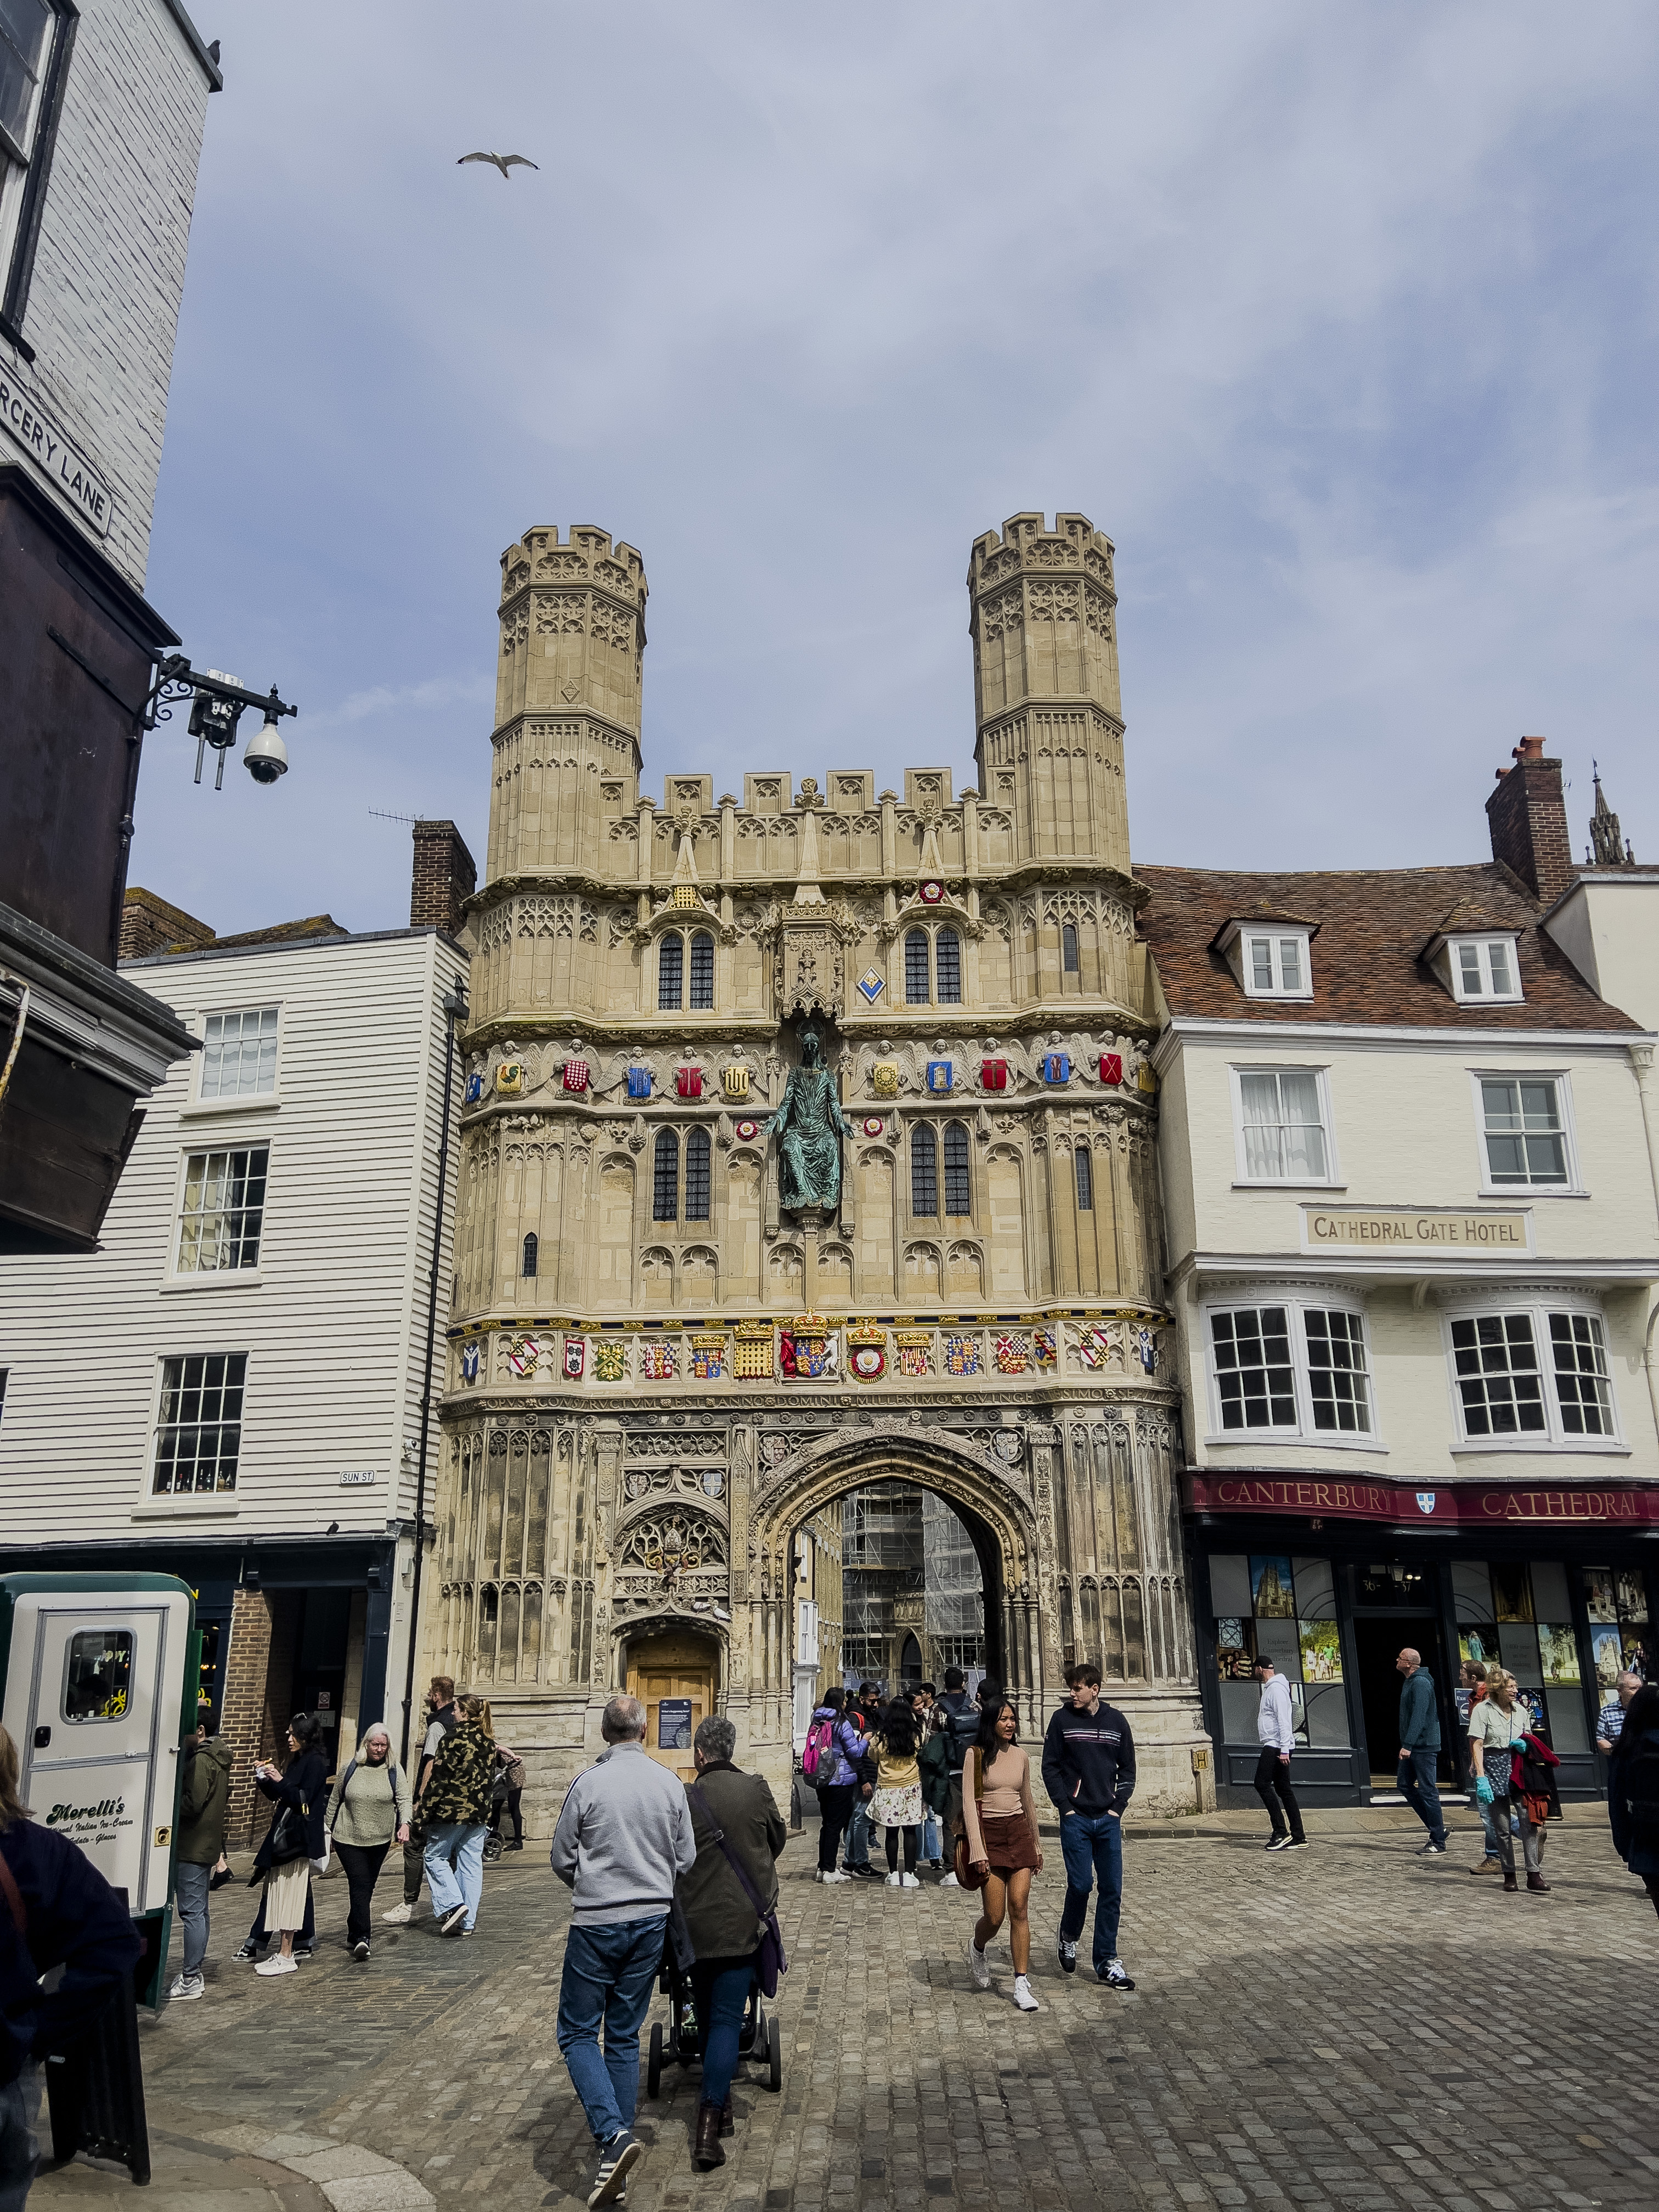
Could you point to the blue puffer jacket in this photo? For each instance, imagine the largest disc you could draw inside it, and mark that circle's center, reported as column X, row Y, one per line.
column 850, row 1749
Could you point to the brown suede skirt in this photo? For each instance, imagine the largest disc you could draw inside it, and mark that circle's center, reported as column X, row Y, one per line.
column 1009, row 1842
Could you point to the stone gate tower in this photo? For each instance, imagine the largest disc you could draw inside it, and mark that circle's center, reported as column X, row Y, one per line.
column 702, row 1289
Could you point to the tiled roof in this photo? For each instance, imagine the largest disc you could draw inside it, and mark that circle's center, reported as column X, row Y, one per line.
column 284, row 933
column 1367, row 963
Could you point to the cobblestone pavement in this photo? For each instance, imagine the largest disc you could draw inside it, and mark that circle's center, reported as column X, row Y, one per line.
column 1349, row 2027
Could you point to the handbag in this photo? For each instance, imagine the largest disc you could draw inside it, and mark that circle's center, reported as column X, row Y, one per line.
column 770, row 1959
column 287, row 1839
column 968, row 1875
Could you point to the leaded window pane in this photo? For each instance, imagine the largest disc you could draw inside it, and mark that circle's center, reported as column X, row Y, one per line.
column 1085, row 1179
column 670, row 973
column 958, row 1198
column 703, row 972
column 696, row 1176
column 1337, row 1380
column 665, row 1177
column 1496, row 1361
column 947, row 960
column 924, row 1170
column 1253, row 1374
column 1581, row 1382
column 915, row 968
column 1068, row 947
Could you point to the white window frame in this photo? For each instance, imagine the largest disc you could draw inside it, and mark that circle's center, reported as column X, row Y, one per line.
column 1538, row 1305
column 1277, row 936
column 1331, row 1179
column 1573, row 1187
column 216, row 1278
column 17, row 161
column 245, row 1102
column 1296, row 1303
column 174, row 1505
column 1482, row 947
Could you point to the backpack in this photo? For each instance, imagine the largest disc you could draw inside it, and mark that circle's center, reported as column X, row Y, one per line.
column 818, row 1762
column 1637, row 1781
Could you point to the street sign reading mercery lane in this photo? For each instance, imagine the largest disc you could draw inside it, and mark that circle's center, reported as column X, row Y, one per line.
column 1398, row 1230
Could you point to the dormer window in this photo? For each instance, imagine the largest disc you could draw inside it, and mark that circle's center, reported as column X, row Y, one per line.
column 1268, row 953
column 1485, row 968
column 1276, row 965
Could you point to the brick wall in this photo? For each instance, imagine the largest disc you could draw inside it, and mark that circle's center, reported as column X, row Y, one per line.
column 1528, row 817
column 148, row 924
column 243, row 1715
column 445, row 874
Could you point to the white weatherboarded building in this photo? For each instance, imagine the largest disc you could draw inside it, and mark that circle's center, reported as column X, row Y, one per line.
column 231, row 1389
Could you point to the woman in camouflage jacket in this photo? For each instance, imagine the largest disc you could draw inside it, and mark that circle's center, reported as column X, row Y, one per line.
column 455, row 1809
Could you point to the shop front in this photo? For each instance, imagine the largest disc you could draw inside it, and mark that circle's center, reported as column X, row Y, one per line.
column 1333, row 1577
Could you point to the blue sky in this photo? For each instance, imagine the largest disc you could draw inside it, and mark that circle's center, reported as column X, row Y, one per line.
column 1340, row 321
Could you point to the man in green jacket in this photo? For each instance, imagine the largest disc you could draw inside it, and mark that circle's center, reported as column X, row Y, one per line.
column 1420, row 1750
column 204, row 1804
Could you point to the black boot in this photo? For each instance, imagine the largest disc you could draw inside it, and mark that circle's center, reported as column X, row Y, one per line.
column 706, row 2151
column 728, row 2121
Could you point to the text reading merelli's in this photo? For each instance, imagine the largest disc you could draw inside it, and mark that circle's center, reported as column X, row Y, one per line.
column 1491, row 1232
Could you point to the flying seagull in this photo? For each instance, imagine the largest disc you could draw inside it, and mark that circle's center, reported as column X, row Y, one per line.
column 503, row 161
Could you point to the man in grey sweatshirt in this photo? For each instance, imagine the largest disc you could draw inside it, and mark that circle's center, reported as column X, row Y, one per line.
column 623, row 1839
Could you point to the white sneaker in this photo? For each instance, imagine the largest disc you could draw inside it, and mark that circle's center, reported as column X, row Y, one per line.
column 276, row 1964
column 895, row 1881
column 949, row 1881
column 908, row 1881
column 1022, row 1996
column 400, row 1915
column 186, row 1987
column 978, row 1966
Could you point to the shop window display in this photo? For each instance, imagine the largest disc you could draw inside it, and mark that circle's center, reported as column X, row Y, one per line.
column 1616, row 1599
column 1284, row 1608
column 1518, row 1615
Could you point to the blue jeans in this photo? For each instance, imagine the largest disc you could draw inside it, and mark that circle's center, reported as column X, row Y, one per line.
column 190, row 1894
column 20, row 2147
column 1416, row 1788
column 454, row 1866
column 857, row 1835
column 1092, row 1844
column 722, row 2000
column 608, row 1974
column 930, row 1839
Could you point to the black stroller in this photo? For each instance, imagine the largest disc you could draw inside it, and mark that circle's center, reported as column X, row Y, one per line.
column 681, row 2041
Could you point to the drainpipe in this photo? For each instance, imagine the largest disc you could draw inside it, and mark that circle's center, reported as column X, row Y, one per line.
column 1641, row 1060
column 455, row 1009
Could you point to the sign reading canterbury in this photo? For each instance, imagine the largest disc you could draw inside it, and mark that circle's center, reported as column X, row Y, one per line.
column 52, row 453
column 1396, row 1229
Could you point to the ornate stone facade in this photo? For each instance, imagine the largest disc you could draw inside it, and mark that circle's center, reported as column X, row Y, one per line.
column 658, row 1370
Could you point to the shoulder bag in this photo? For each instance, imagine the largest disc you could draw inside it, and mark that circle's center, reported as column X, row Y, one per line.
column 968, row 1874
column 770, row 1959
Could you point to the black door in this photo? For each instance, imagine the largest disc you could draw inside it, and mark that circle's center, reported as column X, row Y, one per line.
column 1379, row 1640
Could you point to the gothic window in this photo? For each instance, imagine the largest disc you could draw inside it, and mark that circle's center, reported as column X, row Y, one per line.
column 703, row 972
column 915, row 968
column 671, row 968
column 530, row 1250
column 696, row 1176
column 1085, row 1179
column 957, row 1195
column 1068, row 947
column 947, row 961
column 666, row 1182
column 924, row 1170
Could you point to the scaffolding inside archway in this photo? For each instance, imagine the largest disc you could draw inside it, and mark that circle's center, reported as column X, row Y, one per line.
column 912, row 1587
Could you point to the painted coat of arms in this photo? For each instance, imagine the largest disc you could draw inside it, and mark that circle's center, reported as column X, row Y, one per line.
column 610, row 1359
column 708, row 1358
column 962, row 1355
column 1012, row 1355
column 469, row 1361
column 1095, row 1348
column 576, row 1355
column 915, row 1351
column 810, row 1351
column 866, row 1354
column 524, row 1356
column 1044, row 1348
column 657, row 1361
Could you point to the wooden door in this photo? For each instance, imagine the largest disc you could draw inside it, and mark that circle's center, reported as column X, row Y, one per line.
column 673, row 1678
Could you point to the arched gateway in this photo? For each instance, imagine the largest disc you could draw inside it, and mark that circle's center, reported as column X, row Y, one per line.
column 808, row 1144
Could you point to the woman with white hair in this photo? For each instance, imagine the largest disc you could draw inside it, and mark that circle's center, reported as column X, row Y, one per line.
column 368, row 1811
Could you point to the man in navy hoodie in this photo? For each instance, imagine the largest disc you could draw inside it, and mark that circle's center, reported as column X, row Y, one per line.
column 1420, row 1750
column 1088, row 1770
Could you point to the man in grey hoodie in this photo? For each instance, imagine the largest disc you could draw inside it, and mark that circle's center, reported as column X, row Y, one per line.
column 623, row 1841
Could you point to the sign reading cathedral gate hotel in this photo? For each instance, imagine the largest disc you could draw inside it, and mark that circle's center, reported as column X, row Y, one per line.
column 1397, row 1230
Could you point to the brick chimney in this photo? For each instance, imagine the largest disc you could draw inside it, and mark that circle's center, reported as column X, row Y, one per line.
column 445, row 874
column 1528, row 820
column 148, row 924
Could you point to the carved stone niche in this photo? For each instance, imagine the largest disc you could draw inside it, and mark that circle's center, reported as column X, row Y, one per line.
column 809, row 957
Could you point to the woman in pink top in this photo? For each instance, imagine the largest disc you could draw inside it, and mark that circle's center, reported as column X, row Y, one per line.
column 999, row 1815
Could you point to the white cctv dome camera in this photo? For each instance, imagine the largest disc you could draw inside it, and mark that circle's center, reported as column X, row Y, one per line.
column 266, row 757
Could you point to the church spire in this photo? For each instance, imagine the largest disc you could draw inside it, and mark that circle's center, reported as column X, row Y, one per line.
column 1608, row 847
